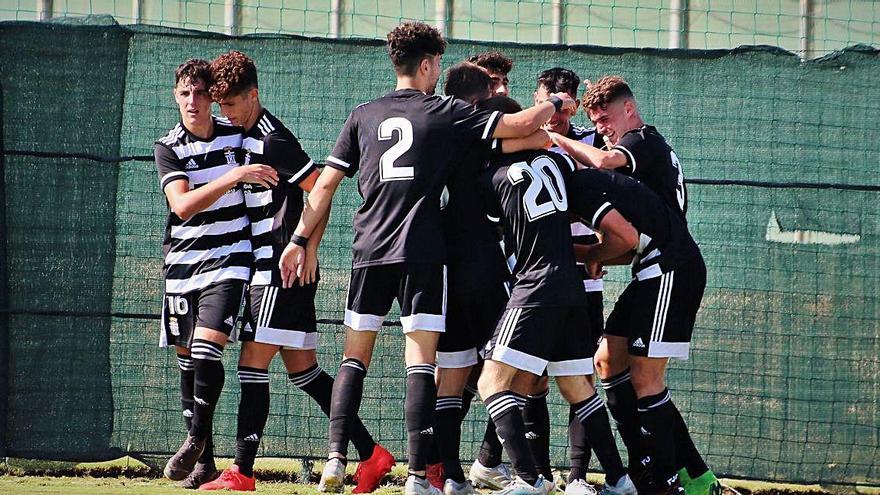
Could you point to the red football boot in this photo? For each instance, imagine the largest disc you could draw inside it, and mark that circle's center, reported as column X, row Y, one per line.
column 232, row 479
column 370, row 472
column 435, row 475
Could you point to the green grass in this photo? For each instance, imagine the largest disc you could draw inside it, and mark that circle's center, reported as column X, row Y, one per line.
column 275, row 476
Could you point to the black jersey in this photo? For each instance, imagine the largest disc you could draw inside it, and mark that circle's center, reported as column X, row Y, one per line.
column 405, row 145
column 273, row 213
column 476, row 261
column 214, row 245
column 664, row 240
column 651, row 160
column 527, row 191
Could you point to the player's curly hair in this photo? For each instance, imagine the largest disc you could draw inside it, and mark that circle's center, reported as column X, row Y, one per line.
column 233, row 73
column 194, row 69
column 468, row 82
column 559, row 80
column 605, row 91
column 409, row 44
column 494, row 61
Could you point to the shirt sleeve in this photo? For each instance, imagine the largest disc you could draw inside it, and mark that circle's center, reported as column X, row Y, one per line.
column 346, row 152
column 586, row 199
column 638, row 151
column 169, row 166
column 472, row 124
column 285, row 154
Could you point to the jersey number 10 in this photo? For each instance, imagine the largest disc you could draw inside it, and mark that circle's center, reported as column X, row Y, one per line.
column 542, row 173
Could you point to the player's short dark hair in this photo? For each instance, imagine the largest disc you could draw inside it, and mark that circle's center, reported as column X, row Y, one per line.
column 494, row 61
column 194, row 69
column 233, row 73
column 605, row 91
column 559, row 80
column 410, row 43
column 501, row 103
column 468, row 82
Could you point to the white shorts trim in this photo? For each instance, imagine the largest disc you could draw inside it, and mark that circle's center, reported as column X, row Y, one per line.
column 571, row 367
column 591, row 285
column 424, row 321
column 519, row 360
column 676, row 350
column 362, row 323
column 457, row 359
column 289, row 339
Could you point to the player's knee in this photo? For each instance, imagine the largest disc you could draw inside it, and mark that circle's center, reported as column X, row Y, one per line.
column 297, row 360
column 647, row 381
column 574, row 389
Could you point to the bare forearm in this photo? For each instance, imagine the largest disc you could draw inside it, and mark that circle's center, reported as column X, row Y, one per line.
column 525, row 122
column 537, row 140
column 318, row 233
column 611, row 249
column 190, row 203
column 590, row 155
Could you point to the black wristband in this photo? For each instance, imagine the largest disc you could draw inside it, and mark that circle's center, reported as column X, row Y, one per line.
column 299, row 240
column 556, row 101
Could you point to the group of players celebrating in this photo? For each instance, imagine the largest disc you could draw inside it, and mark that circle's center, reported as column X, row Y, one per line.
column 488, row 223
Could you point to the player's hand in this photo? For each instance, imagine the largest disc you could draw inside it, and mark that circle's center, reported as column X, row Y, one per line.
column 291, row 264
column 568, row 103
column 263, row 175
column 595, row 270
column 555, row 138
column 310, row 268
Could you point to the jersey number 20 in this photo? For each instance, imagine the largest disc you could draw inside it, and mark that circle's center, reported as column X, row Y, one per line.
column 387, row 170
column 542, row 173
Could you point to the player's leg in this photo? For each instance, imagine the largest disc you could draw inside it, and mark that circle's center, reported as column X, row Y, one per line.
column 217, row 308
column 612, row 367
column 305, row 372
column 487, row 471
column 666, row 334
column 536, row 417
column 523, row 341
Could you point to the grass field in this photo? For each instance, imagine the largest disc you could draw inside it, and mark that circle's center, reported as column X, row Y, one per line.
column 276, row 476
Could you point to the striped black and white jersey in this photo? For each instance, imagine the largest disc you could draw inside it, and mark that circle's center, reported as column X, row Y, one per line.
column 404, row 147
column 526, row 190
column 651, row 160
column 214, row 245
column 581, row 233
column 664, row 240
column 273, row 213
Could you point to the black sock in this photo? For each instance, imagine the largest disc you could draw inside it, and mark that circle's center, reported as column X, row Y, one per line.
column 490, row 449
column 421, row 397
column 447, row 435
column 253, row 412
column 657, row 416
column 579, row 448
column 536, row 419
column 467, row 398
column 319, row 385
column 622, row 404
column 592, row 415
column 187, row 383
column 504, row 409
column 348, row 390
column 686, row 452
column 208, row 381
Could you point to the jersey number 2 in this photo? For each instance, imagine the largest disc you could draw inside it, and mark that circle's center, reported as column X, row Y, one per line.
column 387, row 170
column 540, row 171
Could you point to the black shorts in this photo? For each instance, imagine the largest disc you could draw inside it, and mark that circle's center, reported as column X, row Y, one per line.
column 214, row 307
column 596, row 312
column 279, row 316
column 470, row 323
column 556, row 339
column 657, row 315
column 420, row 290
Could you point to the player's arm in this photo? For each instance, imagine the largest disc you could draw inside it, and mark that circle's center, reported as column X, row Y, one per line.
column 619, row 240
column 310, row 270
column 525, row 122
column 186, row 202
column 535, row 141
column 590, row 155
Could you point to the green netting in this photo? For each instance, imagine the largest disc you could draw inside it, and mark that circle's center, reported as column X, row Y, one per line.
column 783, row 382
column 818, row 29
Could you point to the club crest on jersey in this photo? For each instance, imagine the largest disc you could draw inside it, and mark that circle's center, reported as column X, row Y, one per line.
column 247, row 157
column 229, row 152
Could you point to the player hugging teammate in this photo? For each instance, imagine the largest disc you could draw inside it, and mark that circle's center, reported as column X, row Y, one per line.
column 559, row 201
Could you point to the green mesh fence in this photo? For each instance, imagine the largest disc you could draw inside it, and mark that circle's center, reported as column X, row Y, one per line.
column 812, row 27
column 782, row 157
